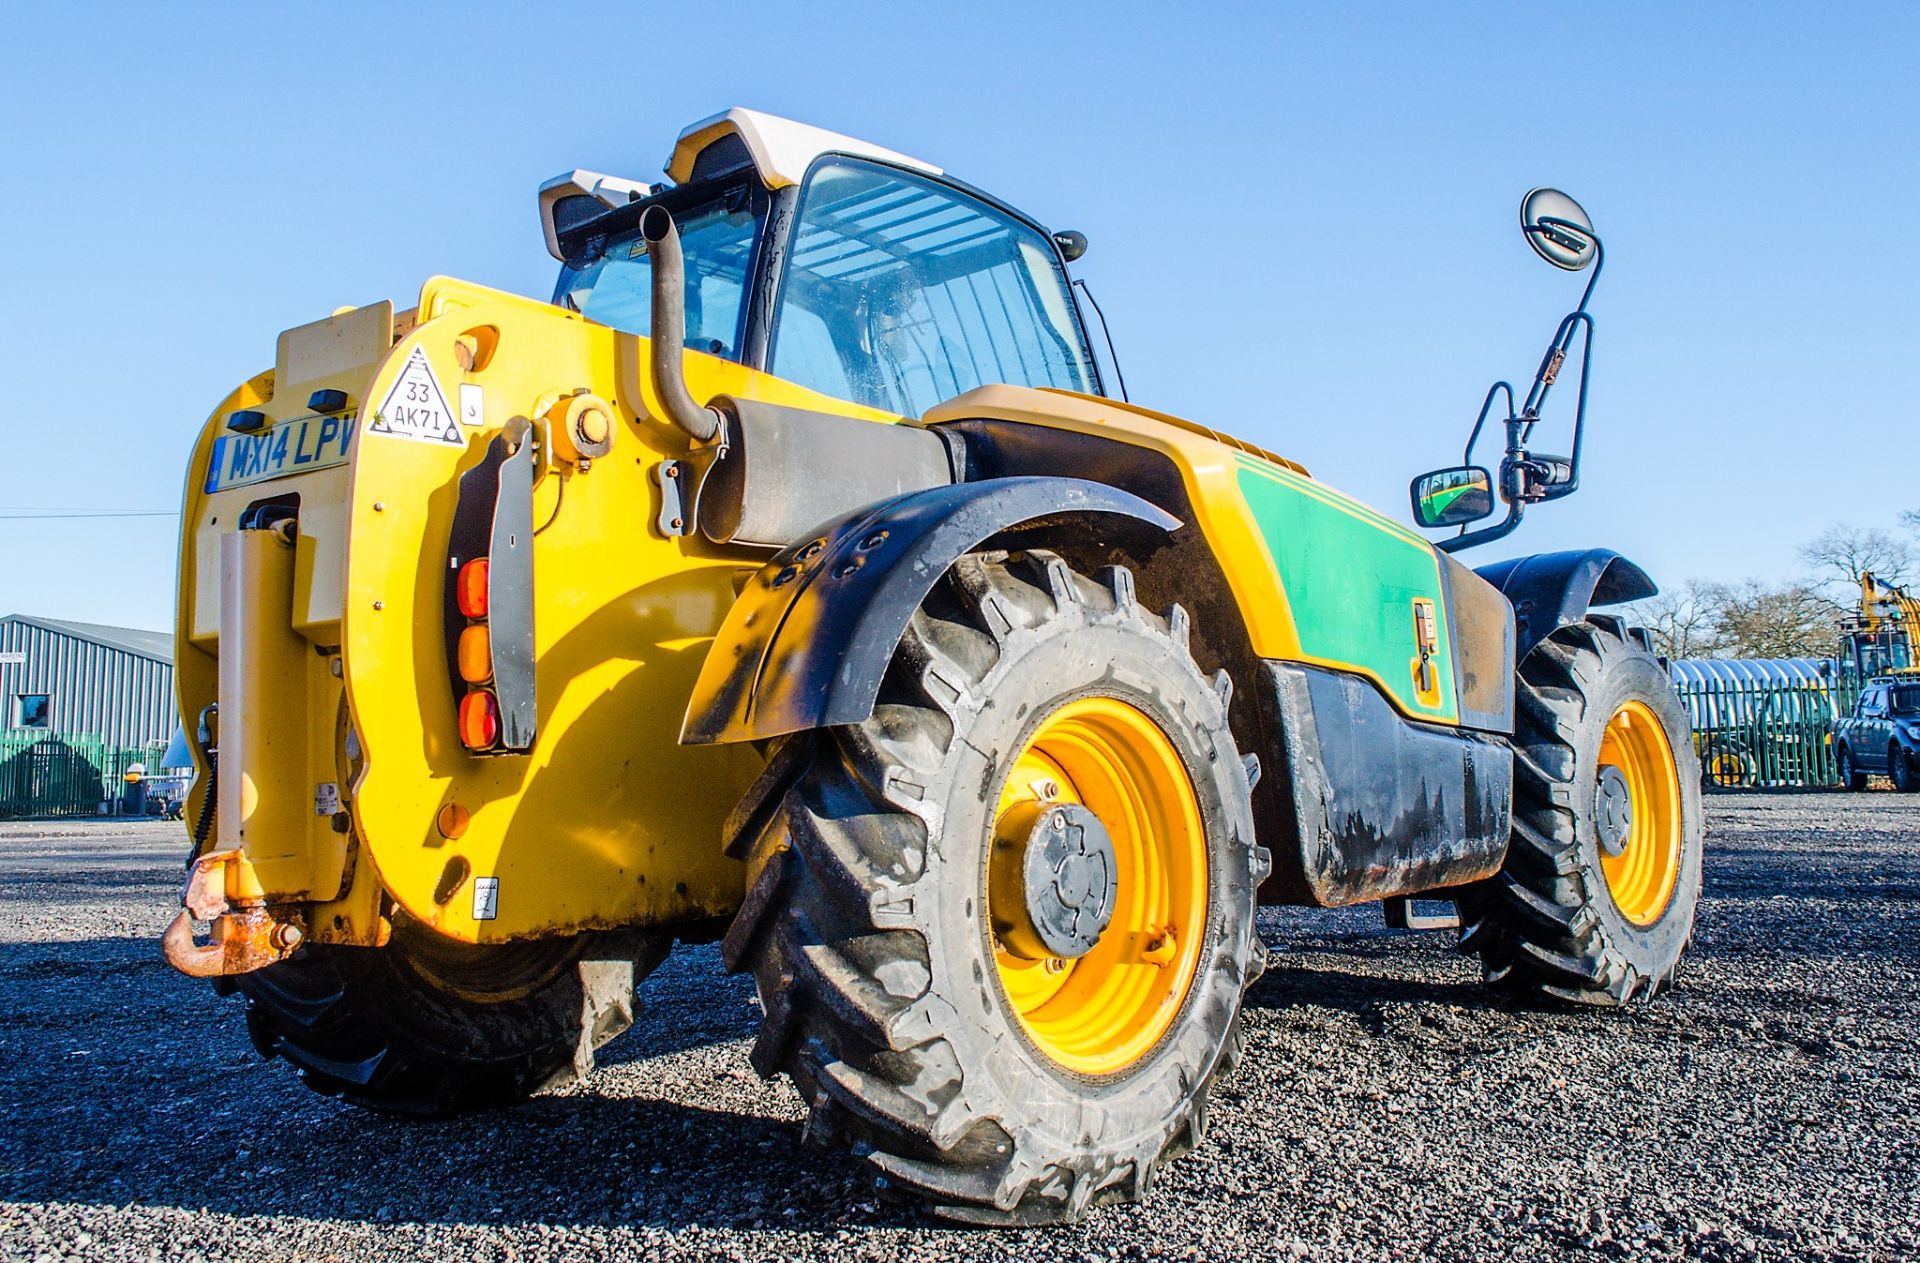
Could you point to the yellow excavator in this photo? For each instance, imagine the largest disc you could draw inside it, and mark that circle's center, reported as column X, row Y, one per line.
column 1879, row 638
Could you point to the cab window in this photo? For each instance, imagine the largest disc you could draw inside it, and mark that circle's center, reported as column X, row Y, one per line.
column 612, row 281
column 899, row 292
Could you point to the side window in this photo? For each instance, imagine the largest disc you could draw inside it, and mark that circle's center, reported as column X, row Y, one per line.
column 32, row 710
column 900, row 292
column 615, row 285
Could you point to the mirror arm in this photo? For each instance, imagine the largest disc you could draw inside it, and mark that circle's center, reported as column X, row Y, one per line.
column 1572, row 484
column 1520, row 425
column 1599, row 255
column 1548, row 222
column 1516, row 504
column 1550, row 364
column 1479, row 422
column 1486, row 534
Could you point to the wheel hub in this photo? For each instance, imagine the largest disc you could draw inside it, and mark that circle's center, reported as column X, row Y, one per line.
column 1067, row 877
column 1613, row 811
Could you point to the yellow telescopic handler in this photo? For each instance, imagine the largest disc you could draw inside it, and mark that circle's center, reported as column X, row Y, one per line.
column 797, row 578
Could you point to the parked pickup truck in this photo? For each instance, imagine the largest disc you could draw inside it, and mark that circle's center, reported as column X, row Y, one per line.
column 1881, row 735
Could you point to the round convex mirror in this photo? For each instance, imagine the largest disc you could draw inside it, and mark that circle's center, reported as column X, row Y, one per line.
column 1563, row 247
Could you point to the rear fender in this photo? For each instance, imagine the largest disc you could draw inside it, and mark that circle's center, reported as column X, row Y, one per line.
column 1549, row 591
column 809, row 639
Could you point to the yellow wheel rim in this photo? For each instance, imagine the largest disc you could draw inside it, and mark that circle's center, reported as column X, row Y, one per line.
column 1642, row 877
column 1103, row 1012
column 1727, row 769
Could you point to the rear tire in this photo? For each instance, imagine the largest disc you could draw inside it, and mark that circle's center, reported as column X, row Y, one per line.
column 428, row 1026
column 1596, row 719
column 872, row 853
column 1850, row 774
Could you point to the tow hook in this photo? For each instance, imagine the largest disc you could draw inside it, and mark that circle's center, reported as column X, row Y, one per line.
column 245, row 933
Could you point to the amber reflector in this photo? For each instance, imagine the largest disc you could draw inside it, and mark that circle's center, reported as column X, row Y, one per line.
column 470, row 588
column 452, row 821
column 475, row 653
column 479, row 720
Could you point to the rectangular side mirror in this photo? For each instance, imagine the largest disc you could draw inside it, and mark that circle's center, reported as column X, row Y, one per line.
column 1452, row 497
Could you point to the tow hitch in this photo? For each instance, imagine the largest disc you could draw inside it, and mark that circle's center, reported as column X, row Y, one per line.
column 245, row 933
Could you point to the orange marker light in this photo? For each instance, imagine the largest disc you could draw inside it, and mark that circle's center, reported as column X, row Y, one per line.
column 479, row 720
column 475, row 654
column 452, row 821
column 470, row 588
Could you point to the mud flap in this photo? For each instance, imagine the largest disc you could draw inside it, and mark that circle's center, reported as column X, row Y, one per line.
column 608, row 1004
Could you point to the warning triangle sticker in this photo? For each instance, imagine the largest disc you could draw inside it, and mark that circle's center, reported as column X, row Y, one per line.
column 416, row 407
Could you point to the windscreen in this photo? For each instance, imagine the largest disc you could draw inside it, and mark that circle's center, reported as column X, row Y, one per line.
column 613, row 282
column 901, row 292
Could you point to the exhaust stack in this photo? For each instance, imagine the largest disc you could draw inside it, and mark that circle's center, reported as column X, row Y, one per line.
column 669, row 334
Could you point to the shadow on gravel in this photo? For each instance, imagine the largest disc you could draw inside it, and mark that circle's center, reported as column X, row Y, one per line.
column 126, row 1084
column 1286, row 986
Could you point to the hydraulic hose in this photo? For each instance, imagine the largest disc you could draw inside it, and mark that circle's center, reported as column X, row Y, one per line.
column 669, row 334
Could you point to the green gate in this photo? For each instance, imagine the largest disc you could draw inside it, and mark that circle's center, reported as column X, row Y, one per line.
column 1764, row 731
column 45, row 774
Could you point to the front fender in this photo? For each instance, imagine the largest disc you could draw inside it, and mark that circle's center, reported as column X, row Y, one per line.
column 809, row 639
column 1549, row 591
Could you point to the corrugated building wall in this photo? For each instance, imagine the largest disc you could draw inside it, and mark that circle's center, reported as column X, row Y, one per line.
column 112, row 684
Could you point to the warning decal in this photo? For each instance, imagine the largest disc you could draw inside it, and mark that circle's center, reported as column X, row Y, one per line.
column 416, row 407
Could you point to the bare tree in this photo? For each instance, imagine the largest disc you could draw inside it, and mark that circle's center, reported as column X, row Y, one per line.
column 1840, row 553
column 1683, row 622
column 1753, row 620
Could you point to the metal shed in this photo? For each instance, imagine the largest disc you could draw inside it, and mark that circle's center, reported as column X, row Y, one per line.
column 79, row 703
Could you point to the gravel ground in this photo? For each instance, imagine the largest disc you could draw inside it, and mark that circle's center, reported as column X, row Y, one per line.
column 1388, row 1108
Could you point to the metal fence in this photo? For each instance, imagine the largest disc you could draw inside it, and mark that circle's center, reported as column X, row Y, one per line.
column 43, row 775
column 1765, row 733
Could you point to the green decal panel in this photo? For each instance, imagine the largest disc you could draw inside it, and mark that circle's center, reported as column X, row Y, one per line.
column 1351, row 577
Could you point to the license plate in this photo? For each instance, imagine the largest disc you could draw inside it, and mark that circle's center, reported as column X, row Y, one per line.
column 292, row 447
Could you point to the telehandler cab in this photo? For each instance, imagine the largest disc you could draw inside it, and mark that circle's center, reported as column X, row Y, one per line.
column 794, row 579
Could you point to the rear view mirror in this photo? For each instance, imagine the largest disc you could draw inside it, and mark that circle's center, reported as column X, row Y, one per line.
column 1557, row 229
column 1452, row 497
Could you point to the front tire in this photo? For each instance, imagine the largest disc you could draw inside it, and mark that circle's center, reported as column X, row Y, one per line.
column 1001, row 1081
column 1900, row 769
column 1595, row 903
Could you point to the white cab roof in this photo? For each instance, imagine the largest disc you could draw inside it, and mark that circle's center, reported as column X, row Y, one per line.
column 781, row 149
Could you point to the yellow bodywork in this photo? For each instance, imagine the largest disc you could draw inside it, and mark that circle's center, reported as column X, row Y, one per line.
column 608, row 820
column 1213, row 467
column 1889, row 607
column 341, row 766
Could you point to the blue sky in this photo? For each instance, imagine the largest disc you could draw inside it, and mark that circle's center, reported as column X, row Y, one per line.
column 1302, row 217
